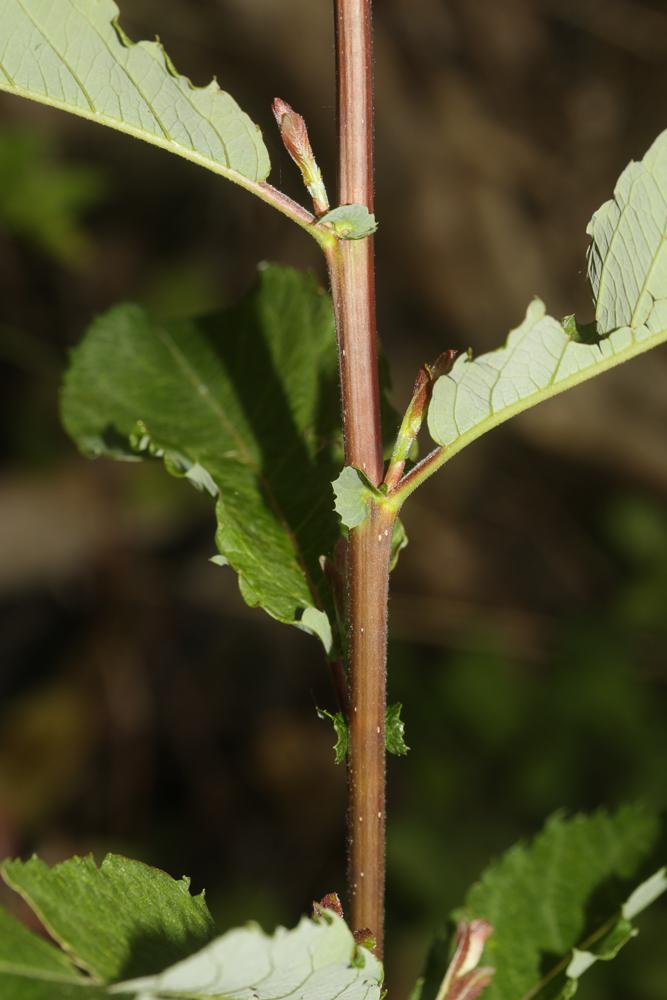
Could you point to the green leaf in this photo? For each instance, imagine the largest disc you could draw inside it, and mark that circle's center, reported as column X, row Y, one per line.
column 539, row 360
column 350, row 222
column 33, row 969
column 627, row 266
column 73, row 55
column 353, row 493
column 394, row 735
column 399, row 541
column 545, row 897
column 99, row 914
column 244, row 402
column 127, row 920
column 394, row 732
column 339, row 723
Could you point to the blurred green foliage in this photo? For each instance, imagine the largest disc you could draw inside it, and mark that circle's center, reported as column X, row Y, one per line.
column 499, row 744
column 43, row 200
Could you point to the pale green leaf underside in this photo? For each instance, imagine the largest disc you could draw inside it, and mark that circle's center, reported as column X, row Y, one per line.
column 71, row 55
column 318, row 960
column 352, row 496
column 536, row 896
column 245, row 403
column 144, row 937
column 350, row 222
column 627, row 264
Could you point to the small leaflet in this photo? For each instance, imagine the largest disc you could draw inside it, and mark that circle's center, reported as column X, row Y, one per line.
column 350, row 222
column 353, row 493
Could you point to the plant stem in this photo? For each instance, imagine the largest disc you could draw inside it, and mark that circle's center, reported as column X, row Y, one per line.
column 352, row 275
column 369, row 555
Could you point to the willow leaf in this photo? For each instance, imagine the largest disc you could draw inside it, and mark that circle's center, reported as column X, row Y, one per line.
column 73, row 55
column 353, row 493
column 97, row 913
column 34, row 969
column 627, row 266
column 317, row 960
column 139, row 935
column 546, row 897
column 245, row 404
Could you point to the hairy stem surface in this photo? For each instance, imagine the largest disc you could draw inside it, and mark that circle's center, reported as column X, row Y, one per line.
column 351, row 269
column 370, row 552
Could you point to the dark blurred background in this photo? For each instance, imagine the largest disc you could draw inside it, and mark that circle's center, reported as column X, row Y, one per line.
column 143, row 707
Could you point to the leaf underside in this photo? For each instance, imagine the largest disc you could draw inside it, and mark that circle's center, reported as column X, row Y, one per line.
column 140, row 935
column 352, row 496
column 545, row 898
column 627, row 267
column 72, row 55
column 244, row 403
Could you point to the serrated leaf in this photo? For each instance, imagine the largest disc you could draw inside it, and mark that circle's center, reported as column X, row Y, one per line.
column 98, row 914
column 350, row 222
column 126, row 919
column 72, row 55
column 249, row 398
column 352, row 496
column 337, row 719
column 318, row 960
column 627, row 265
column 394, row 733
column 537, row 897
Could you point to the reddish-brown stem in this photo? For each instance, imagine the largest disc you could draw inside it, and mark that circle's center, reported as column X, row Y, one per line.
column 351, row 269
column 370, row 554
column 351, row 274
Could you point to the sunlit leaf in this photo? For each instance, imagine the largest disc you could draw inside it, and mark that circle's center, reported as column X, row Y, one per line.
column 627, row 265
column 73, row 55
column 140, row 935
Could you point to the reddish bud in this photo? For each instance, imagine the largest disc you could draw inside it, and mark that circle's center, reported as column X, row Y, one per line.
column 294, row 133
column 464, row 980
column 329, row 902
column 365, row 938
column 442, row 364
column 472, row 985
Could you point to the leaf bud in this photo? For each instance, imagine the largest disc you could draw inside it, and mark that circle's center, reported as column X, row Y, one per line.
column 294, row 133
